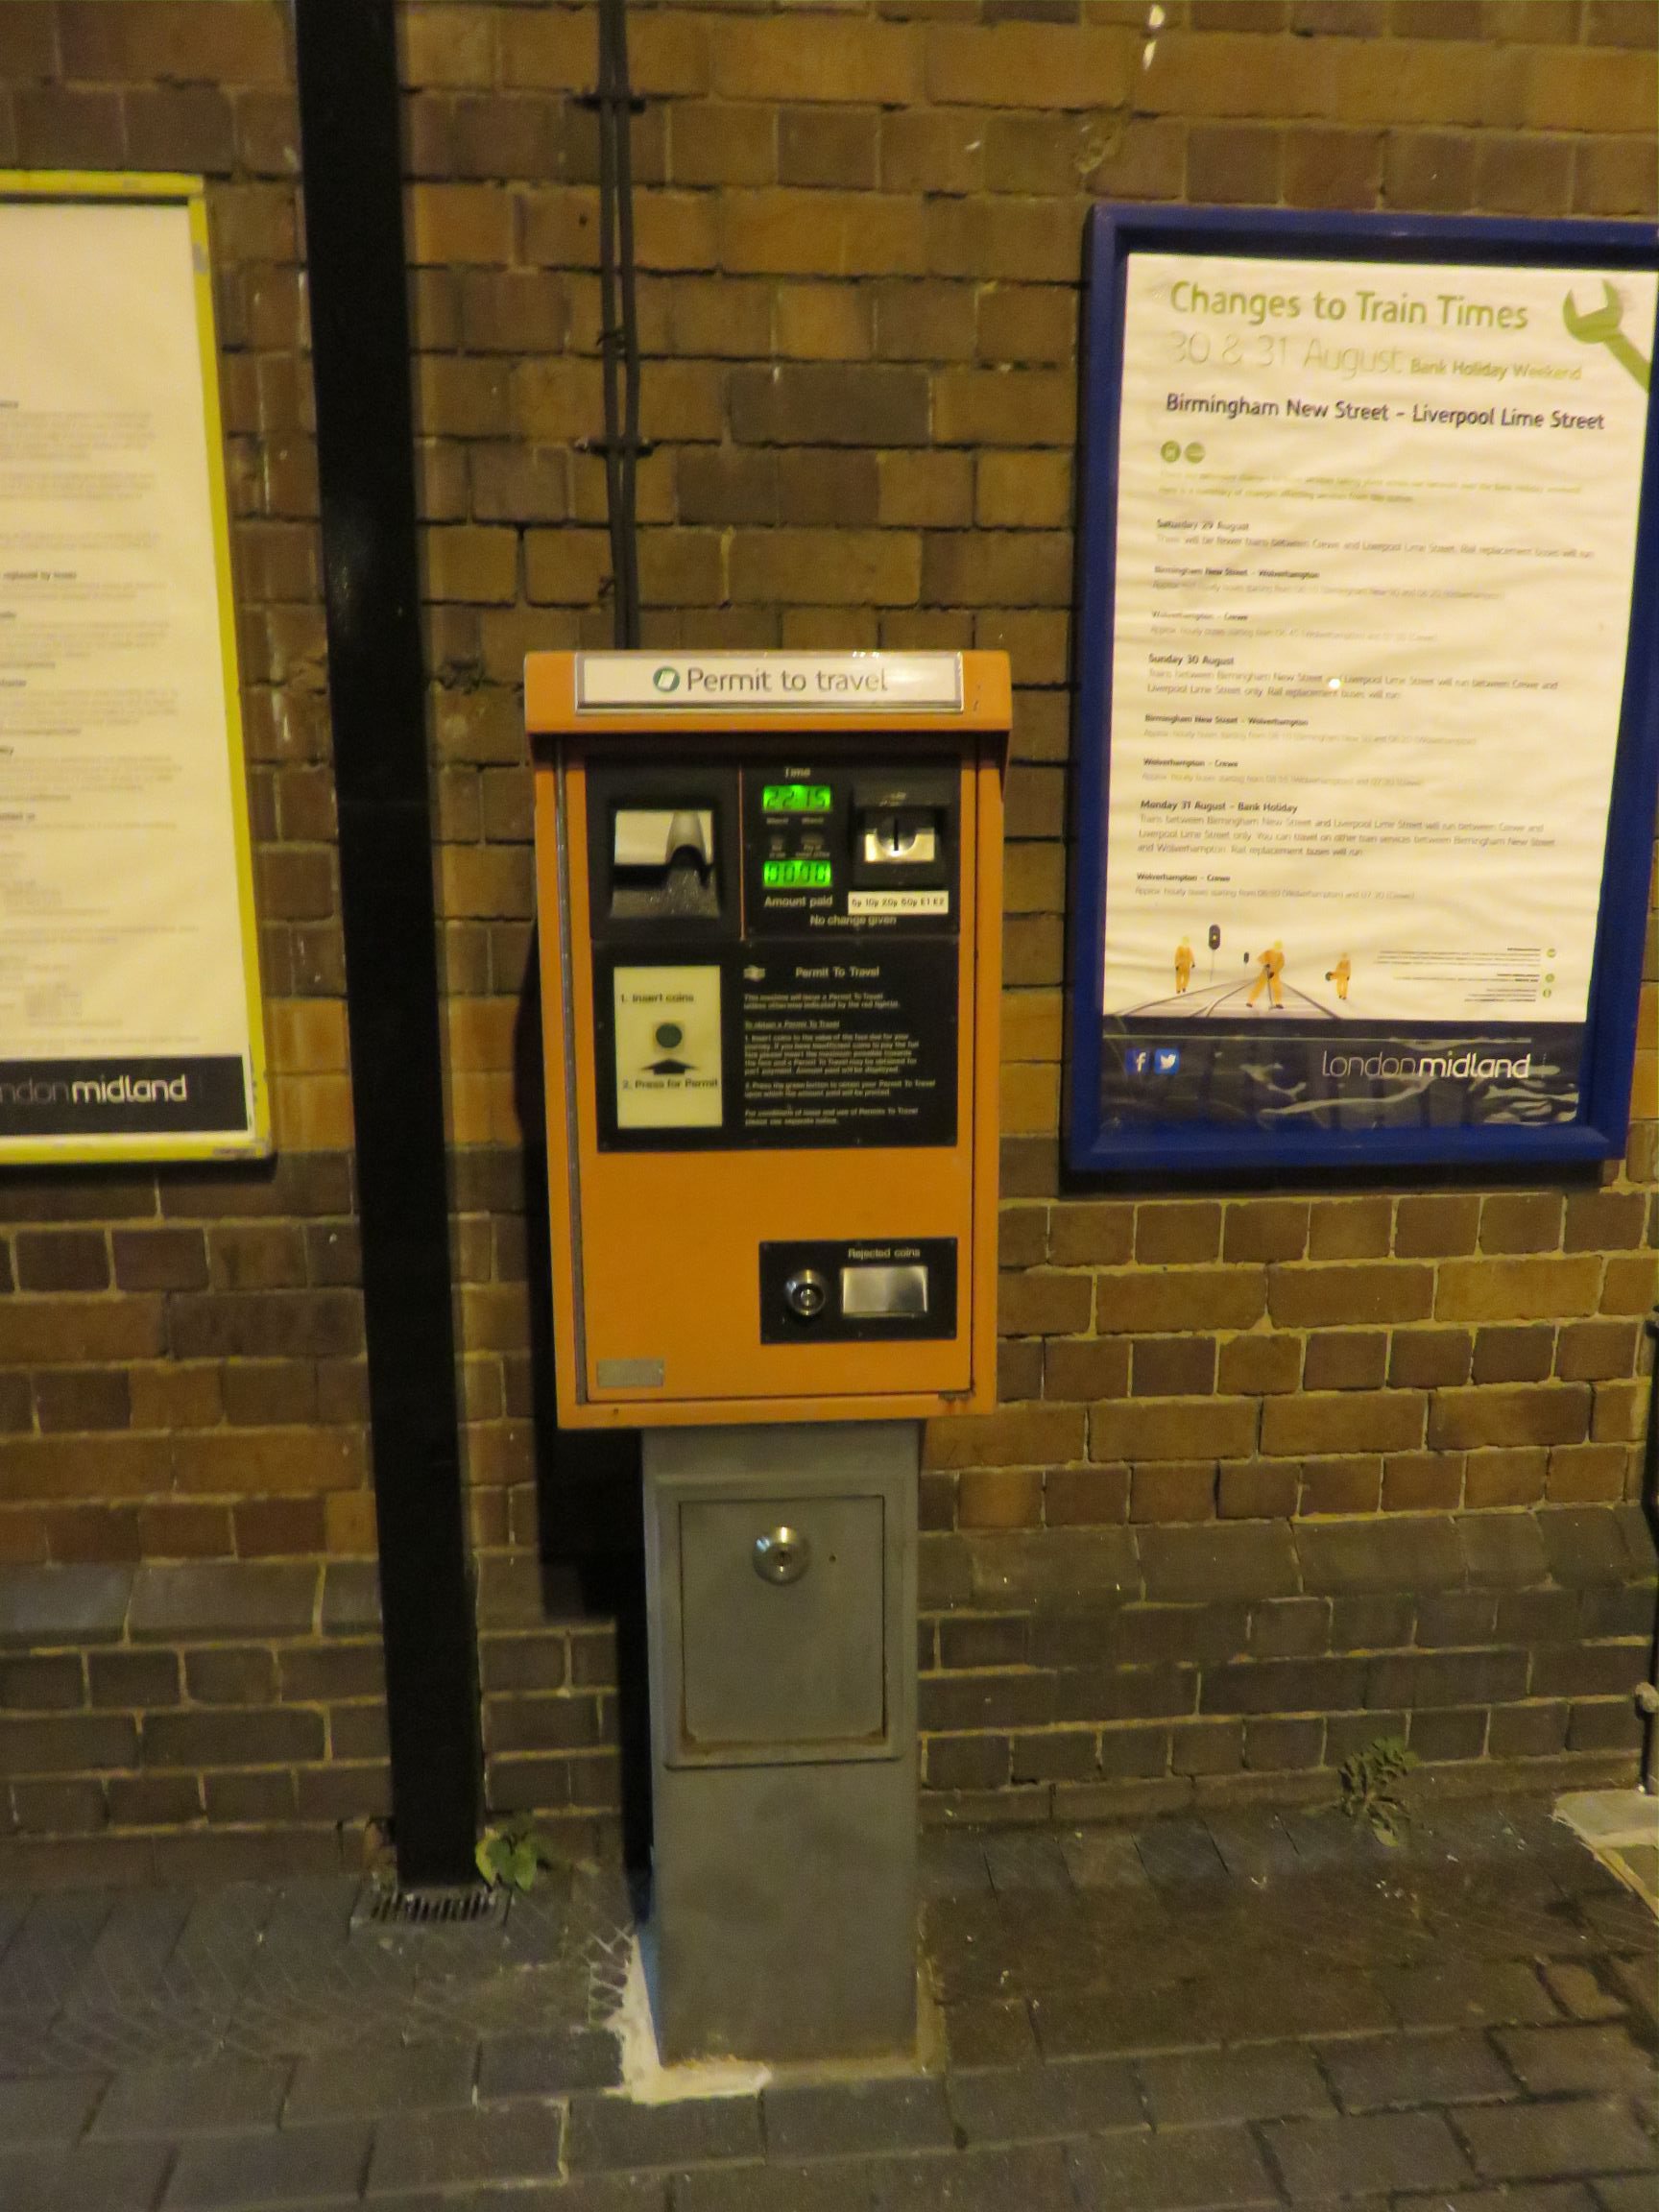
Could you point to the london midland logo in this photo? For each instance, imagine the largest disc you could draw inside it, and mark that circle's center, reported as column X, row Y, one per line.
column 666, row 679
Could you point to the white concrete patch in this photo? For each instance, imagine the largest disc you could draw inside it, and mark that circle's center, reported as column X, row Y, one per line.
column 1621, row 1828
column 646, row 2079
column 1611, row 1818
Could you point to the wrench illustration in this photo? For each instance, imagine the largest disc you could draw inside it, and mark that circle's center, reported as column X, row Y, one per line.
column 1600, row 327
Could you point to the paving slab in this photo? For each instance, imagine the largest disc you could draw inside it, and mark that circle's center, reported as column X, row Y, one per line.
column 1263, row 2083
column 1204, row 2012
column 1068, row 2097
column 990, row 2031
column 394, row 2078
column 1549, row 2059
column 1584, row 2135
column 223, row 2096
column 1451, row 2067
column 48, row 2108
column 548, row 2065
column 517, row 2142
column 1171, row 2171
column 1030, row 2178
column 609, row 2132
column 836, row 2118
column 289, row 2166
column 1351, row 2156
column 94, row 2178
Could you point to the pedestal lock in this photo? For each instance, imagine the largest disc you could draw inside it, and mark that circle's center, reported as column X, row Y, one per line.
column 782, row 1554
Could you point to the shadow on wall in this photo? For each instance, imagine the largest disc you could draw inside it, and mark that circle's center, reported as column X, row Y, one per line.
column 588, row 1517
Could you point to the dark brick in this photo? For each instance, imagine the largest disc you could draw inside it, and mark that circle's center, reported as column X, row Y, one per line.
column 1237, row 1559
column 230, row 1678
column 1448, row 1679
column 1585, row 1544
column 1372, row 1621
column 1285, row 1686
column 82, row 1398
column 265, row 1797
column 351, row 1598
column 1134, row 1752
column 1526, row 1732
column 44, row 1684
column 153, row 1800
column 1187, row 1633
column 232, row 1739
column 1588, row 1670
column 991, row 1700
column 969, row 1640
column 966, row 1762
column 59, row 1808
column 1345, row 1359
column 830, row 404
column 1428, row 1358
column 1291, row 1628
column 1402, row 1553
column 222, row 1600
column 67, row 1743
column 133, row 1679
column 1273, row 1746
column 60, row 1260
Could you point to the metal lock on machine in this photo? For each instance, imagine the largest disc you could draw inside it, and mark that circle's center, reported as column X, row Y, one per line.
column 782, row 1554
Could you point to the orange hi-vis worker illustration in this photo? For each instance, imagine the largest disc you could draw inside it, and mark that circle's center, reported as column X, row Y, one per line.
column 1340, row 976
column 1183, row 966
column 1272, row 968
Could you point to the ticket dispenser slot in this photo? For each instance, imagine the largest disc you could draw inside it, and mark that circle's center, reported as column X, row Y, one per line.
column 662, row 849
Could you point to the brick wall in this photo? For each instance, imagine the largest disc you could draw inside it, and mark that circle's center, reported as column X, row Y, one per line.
column 1275, row 1471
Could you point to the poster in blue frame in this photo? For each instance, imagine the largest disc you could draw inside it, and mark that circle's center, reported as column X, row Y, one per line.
column 1368, row 689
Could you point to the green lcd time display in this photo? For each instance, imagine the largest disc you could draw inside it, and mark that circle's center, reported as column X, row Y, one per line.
column 796, row 875
column 795, row 799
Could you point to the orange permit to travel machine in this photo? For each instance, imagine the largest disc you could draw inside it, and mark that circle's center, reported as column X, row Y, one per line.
column 769, row 900
column 774, row 885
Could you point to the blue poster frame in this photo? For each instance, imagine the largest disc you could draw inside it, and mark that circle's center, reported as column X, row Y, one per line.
column 1193, row 1148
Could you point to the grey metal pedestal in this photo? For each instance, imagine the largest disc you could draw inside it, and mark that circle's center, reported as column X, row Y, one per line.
column 781, row 1576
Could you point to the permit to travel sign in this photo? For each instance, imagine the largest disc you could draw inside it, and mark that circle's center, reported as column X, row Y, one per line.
column 1368, row 731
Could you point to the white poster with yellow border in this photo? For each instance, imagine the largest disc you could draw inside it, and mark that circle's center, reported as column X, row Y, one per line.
column 131, row 1023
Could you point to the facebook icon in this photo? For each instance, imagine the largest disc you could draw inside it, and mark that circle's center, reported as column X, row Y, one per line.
column 1167, row 1060
column 1138, row 1062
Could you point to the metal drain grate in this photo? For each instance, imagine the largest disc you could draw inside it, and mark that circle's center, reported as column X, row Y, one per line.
column 394, row 1908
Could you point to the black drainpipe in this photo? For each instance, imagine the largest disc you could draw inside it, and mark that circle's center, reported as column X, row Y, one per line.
column 352, row 170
